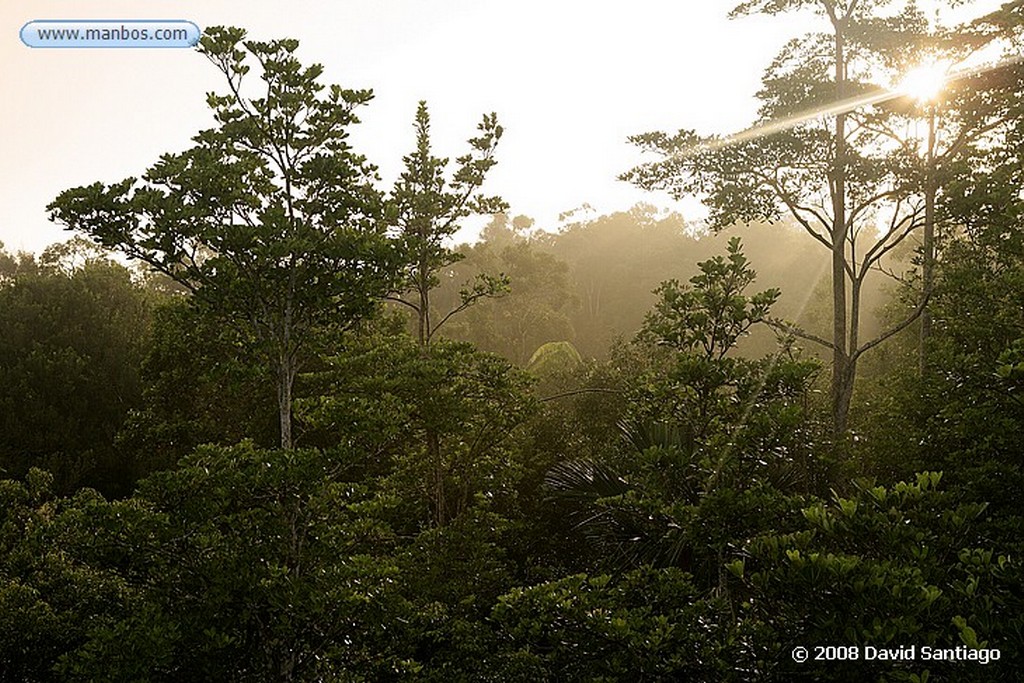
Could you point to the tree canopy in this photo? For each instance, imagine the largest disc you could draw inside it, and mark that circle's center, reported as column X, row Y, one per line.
column 600, row 454
column 271, row 220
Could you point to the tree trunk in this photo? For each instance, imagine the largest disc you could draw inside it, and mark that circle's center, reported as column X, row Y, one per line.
column 285, row 380
column 928, row 243
column 844, row 381
column 423, row 312
column 286, row 667
column 842, row 389
column 439, row 494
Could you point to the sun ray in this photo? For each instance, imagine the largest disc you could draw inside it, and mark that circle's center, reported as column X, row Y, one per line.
column 842, row 106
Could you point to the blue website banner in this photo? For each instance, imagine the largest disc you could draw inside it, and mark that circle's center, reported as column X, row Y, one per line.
column 117, row 33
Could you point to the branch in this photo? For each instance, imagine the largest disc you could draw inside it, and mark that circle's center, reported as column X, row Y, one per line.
column 889, row 273
column 895, row 330
column 466, row 303
column 794, row 210
column 880, row 128
column 790, row 328
column 400, row 300
column 858, row 209
column 884, row 246
column 160, row 267
column 966, row 136
column 821, row 218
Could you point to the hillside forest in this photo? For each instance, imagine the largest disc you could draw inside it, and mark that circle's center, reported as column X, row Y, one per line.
column 263, row 419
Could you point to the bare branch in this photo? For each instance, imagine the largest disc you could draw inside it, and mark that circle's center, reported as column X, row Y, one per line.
column 909, row 320
column 466, row 303
column 791, row 328
column 889, row 273
column 884, row 246
column 794, row 210
column 399, row 300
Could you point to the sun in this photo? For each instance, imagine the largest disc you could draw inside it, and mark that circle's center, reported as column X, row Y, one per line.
column 925, row 81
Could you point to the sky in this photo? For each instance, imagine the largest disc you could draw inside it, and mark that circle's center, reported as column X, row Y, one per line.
column 570, row 80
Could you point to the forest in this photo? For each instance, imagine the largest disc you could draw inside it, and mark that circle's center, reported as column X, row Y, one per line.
column 263, row 419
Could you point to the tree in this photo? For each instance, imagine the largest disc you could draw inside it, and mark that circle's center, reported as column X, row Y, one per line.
column 436, row 426
column 49, row 599
column 70, row 371
column 717, row 443
column 271, row 220
column 970, row 117
column 553, row 359
column 822, row 154
column 615, row 262
column 646, row 624
column 241, row 564
column 502, row 230
column 534, row 310
column 712, row 314
column 708, row 391
column 964, row 416
column 199, row 386
column 426, row 207
column 8, row 266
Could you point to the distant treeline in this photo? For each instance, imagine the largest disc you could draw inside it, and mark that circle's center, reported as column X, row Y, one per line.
column 592, row 282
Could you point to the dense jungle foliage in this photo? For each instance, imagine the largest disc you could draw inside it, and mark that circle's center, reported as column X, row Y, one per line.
column 305, row 438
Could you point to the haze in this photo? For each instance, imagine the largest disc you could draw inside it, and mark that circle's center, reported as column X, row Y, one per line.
column 569, row 81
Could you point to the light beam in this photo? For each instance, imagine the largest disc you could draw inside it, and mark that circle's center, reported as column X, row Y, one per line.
column 842, row 107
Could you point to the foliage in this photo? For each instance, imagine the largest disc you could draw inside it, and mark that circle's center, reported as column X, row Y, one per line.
column 885, row 567
column 965, row 414
column 644, row 625
column 710, row 317
column 554, row 358
column 591, row 282
column 390, row 398
column 70, row 359
column 200, row 386
column 271, row 219
column 671, row 513
column 8, row 266
column 702, row 388
column 614, row 262
column 534, row 310
column 252, row 565
column 717, row 445
column 49, row 597
column 426, row 208
column 827, row 152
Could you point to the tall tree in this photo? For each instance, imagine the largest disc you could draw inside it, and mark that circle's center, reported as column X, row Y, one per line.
column 717, row 441
column 968, row 116
column 822, row 153
column 427, row 208
column 271, row 220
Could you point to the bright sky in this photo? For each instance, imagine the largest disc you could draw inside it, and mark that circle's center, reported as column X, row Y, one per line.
column 569, row 80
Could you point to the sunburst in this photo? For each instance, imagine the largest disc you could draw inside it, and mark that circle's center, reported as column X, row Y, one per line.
column 926, row 81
